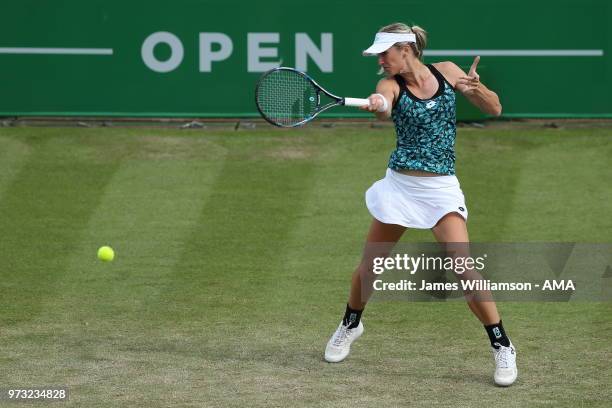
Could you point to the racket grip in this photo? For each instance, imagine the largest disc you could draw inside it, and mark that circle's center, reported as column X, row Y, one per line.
column 356, row 102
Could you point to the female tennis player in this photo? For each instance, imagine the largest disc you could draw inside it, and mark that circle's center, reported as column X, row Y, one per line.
column 420, row 189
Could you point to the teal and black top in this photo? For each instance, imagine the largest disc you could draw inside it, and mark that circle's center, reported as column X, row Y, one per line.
column 426, row 129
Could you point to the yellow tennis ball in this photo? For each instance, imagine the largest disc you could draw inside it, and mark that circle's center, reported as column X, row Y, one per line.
column 106, row 254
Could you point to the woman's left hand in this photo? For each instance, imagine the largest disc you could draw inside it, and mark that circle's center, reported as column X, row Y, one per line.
column 471, row 82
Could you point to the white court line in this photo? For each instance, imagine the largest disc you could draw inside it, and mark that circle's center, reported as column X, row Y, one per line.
column 516, row 53
column 56, row 51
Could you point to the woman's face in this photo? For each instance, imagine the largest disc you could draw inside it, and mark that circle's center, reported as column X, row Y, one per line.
column 393, row 61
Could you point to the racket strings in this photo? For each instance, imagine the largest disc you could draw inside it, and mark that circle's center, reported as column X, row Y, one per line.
column 286, row 98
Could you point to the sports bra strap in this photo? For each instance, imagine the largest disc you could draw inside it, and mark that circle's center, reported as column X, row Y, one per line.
column 438, row 74
column 402, row 82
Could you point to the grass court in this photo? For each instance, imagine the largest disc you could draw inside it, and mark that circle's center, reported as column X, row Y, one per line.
column 234, row 251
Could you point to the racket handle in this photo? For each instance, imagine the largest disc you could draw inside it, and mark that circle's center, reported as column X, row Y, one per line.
column 356, row 102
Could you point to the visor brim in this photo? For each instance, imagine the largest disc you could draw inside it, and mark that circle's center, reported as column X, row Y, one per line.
column 377, row 48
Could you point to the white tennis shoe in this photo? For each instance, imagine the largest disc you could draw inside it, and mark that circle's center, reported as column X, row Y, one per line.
column 339, row 346
column 505, row 365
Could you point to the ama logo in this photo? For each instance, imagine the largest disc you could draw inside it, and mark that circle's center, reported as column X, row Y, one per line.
column 559, row 285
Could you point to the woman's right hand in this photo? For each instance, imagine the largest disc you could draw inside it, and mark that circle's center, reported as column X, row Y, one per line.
column 378, row 103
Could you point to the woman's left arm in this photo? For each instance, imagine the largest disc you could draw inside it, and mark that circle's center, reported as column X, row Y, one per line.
column 471, row 87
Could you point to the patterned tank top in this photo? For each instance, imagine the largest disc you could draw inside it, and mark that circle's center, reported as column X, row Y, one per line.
column 425, row 128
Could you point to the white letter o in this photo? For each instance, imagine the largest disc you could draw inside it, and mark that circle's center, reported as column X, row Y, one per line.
column 176, row 51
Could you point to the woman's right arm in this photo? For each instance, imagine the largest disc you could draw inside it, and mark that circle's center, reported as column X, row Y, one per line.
column 386, row 89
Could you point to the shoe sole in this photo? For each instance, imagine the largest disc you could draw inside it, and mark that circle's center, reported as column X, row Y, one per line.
column 507, row 384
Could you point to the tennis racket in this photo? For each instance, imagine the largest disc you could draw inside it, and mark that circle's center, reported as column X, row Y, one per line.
column 286, row 97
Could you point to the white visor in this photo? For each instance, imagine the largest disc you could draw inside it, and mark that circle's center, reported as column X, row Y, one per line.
column 384, row 41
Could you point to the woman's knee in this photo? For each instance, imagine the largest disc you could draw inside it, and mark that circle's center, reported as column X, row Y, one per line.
column 368, row 267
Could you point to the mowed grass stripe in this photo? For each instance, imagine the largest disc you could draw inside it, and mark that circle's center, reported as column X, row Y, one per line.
column 564, row 189
column 326, row 243
column 488, row 168
column 13, row 155
column 45, row 208
column 233, row 259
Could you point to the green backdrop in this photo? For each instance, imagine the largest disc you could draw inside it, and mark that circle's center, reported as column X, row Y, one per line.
column 121, row 83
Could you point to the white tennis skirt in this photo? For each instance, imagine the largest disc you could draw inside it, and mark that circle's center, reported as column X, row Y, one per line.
column 415, row 202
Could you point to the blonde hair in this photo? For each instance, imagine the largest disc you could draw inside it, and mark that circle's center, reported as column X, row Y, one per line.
column 420, row 34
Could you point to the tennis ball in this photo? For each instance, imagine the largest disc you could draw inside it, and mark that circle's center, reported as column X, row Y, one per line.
column 106, row 254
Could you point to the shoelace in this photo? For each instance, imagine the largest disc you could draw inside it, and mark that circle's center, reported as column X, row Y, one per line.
column 501, row 356
column 341, row 335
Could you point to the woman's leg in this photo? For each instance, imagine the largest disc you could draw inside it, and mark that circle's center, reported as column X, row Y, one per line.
column 380, row 241
column 452, row 229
